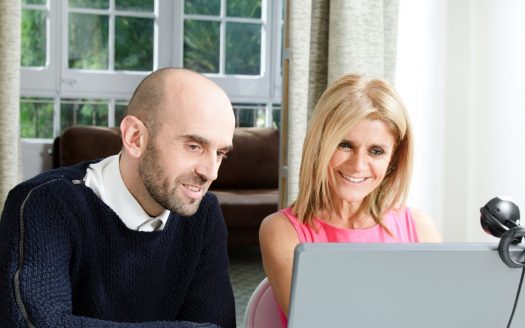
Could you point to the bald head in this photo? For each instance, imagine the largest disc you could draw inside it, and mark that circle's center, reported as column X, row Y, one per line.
column 169, row 85
column 179, row 127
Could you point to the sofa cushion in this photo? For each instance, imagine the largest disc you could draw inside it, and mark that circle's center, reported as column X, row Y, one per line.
column 254, row 161
column 247, row 207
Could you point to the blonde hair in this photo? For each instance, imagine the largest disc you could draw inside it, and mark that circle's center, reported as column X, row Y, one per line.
column 347, row 101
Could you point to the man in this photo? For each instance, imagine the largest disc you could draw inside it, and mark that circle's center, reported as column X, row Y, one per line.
column 134, row 240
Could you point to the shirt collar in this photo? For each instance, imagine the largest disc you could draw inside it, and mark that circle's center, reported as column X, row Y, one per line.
column 106, row 181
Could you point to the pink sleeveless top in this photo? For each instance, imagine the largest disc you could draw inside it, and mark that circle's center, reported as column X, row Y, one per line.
column 399, row 222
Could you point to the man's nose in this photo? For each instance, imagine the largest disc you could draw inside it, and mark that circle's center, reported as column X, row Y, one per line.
column 208, row 167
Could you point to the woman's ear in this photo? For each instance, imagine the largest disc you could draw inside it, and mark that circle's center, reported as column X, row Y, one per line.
column 134, row 135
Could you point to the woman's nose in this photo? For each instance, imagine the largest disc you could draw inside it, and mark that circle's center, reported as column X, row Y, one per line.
column 358, row 160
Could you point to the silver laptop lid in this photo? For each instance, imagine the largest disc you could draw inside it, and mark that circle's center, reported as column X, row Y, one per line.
column 403, row 285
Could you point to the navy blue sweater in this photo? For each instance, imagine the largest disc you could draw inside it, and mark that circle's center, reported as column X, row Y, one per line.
column 67, row 260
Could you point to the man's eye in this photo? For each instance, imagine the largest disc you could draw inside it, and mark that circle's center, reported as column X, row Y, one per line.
column 193, row 147
column 222, row 155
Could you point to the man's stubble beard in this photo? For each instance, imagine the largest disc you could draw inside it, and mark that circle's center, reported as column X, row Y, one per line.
column 158, row 186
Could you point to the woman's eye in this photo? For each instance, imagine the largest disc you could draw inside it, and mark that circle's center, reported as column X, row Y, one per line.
column 345, row 145
column 377, row 152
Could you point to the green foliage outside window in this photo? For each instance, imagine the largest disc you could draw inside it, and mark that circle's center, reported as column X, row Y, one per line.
column 88, row 41
column 276, row 117
column 248, row 115
column 135, row 5
column 34, row 2
column 202, row 7
column 201, row 46
column 92, row 4
column 121, row 108
column 243, row 48
column 133, row 44
column 36, row 118
column 242, row 39
column 33, row 43
column 83, row 112
column 243, row 8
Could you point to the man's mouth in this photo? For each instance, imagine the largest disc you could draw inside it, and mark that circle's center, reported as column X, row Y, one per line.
column 193, row 187
column 193, row 191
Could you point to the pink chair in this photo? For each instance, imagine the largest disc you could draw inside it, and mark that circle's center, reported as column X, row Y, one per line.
column 262, row 310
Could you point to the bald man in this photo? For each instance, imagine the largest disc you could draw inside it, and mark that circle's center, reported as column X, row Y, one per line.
column 133, row 240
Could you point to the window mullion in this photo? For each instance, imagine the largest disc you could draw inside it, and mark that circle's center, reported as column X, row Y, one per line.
column 268, row 115
column 111, row 36
column 56, row 116
column 111, row 112
column 222, row 40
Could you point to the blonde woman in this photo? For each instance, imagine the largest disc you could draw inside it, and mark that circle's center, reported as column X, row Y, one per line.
column 353, row 182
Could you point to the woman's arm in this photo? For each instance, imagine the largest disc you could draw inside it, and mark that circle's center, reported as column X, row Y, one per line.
column 278, row 239
column 426, row 228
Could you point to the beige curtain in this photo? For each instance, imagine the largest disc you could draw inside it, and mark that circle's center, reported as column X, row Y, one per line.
column 10, row 167
column 326, row 39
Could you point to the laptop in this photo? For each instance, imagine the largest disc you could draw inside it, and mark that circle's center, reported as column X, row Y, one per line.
column 403, row 285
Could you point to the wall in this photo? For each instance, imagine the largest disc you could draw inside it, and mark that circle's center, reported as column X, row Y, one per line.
column 36, row 157
column 461, row 65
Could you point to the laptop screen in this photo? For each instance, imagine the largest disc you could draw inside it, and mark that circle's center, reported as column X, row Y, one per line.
column 403, row 285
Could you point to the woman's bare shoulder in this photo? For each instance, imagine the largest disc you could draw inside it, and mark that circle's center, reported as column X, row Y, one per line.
column 277, row 226
column 426, row 228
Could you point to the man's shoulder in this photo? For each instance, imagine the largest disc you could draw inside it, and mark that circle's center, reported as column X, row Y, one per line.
column 60, row 176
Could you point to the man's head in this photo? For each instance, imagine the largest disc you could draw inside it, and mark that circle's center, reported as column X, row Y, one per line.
column 179, row 126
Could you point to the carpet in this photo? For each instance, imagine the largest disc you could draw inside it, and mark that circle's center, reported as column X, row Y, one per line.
column 246, row 272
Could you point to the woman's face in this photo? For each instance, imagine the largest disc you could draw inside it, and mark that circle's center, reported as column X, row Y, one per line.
column 360, row 161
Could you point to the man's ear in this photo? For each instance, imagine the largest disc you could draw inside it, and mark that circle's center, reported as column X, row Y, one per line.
column 134, row 135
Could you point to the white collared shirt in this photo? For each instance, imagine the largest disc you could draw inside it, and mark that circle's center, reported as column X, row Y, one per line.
column 105, row 180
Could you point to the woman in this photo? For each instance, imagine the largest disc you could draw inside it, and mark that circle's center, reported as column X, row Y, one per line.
column 353, row 182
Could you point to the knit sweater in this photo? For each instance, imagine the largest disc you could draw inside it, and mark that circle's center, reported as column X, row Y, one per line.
column 67, row 260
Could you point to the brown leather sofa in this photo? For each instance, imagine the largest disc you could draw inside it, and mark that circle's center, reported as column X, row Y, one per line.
column 247, row 186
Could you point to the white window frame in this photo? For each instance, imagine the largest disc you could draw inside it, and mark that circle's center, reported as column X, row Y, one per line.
column 56, row 79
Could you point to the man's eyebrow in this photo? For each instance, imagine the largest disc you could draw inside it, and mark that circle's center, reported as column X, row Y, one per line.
column 204, row 142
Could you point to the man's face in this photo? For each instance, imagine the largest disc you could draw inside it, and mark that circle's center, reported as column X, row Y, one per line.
column 164, row 187
column 182, row 157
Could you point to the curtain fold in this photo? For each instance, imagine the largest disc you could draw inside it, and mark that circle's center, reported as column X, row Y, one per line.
column 10, row 162
column 327, row 39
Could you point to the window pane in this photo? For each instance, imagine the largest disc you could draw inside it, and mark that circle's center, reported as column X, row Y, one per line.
column 88, row 41
column 36, row 118
column 202, row 7
column 249, row 115
column 33, row 47
column 121, row 108
column 94, row 4
column 243, row 48
column 276, row 116
column 82, row 112
column 201, row 46
column 135, row 5
column 34, row 2
column 133, row 43
column 244, row 8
